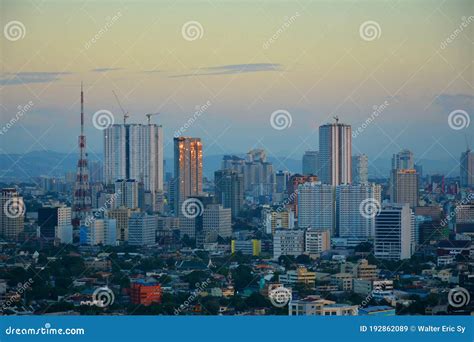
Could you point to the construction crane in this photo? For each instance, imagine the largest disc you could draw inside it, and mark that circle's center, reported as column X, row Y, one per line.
column 125, row 114
column 149, row 115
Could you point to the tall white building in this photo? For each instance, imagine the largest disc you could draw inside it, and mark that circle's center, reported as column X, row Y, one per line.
column 134, row 151
column 335, row 153
column 360, row 169
column 142, row 229
column 316, row 207
column 217, row 219
column 351, row 223
column 394, row 232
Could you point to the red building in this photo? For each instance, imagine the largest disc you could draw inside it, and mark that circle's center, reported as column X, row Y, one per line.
column 146, row 293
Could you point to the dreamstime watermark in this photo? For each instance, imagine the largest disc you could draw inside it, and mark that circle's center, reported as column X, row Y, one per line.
column 280, row 296
column 377, row 110
column 281, row 119
column 370, row 30
column 286, row 24
column 192, row 208
column 196, row 293
column 107, row 205
column 14, row 30
column 369, row 208
column 458, row 297
column 14, row 207
column 109, row 22
column 452, row 37
column 22, row 110
column 103, row 119
column 101, row 297
column 19, row 291
column 453, row 213
column 199, row 111
column 459, row 119
column 192, row 30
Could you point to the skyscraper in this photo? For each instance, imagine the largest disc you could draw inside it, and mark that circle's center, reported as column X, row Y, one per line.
column 360, row 169
column 82, row 201
column 229, row 189
column 12, row 214
column 135, row 151
column 394, row 232
column 467, row 168
column 187, row 169
column 316, row 206
column 335, row 153
column 311, row 163
column 351, row 223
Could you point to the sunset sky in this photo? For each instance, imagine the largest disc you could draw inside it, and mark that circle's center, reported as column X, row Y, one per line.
column 316, row 66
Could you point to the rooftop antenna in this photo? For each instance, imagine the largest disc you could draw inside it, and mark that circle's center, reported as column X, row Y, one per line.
column 125, row 114
column 149, row 115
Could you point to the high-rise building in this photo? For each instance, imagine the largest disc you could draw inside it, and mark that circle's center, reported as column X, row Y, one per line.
column 12, row 214
column 310, row 163
column 360, row 169
column 467, row 168
column 229, row 189
column 394, row 232
column 187, row 169
column 216, row 219
column 404, row 187
column 55, row 223
column 127, row 193
column 316, row 206
column 134, row 151
column 403, row 160
column 142, row 229
column 351, row 221
column 335, row 153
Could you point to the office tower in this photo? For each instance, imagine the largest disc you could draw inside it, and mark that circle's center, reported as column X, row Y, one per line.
column 317, row 241
column 403, row 160
column 316, row 207
column 55, row 223
column 282, row 178
column 292, row 189
column 310, row 163
column 467, row 168
column 229, row 190
column 404, row 187
column 335, row 153
column 354, row 223
column 142, row 229
column 82, row 201
column 288, row 242
column 12, row 214
column 134, row 151
column 126, row 193
column 217, row 219
column 99, row 232
column 121, row 216
column 96, row 172
column 281, row 218
column 394, row 232
column 360, row 169
column 187, row 169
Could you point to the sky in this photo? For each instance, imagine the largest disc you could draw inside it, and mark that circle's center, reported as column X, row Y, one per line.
column 241, row 74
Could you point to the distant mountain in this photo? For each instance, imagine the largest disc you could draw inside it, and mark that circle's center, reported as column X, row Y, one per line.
column 55, row 164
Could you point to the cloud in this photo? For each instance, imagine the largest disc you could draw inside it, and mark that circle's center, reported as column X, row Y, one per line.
column 233, row 69
column 105, row 69
column 12, row 78
column 452, row 102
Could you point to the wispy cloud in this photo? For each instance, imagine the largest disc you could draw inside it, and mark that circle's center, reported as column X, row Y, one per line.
column 105, row 69
column 233, row 69
column 12, row 78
